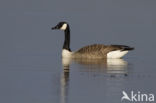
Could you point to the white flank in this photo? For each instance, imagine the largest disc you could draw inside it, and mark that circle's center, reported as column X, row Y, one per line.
column 64, row 26
column 116, row 54
column 66, row 53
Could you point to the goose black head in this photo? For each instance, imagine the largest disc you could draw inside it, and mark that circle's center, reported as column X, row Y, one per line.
column 60, row 26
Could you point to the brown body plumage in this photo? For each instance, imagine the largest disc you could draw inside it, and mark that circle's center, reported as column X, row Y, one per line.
column 98, row 50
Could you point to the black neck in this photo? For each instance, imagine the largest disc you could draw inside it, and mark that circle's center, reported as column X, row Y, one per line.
column 66, row 44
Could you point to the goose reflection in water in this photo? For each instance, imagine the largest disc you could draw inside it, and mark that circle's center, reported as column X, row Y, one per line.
column 64, row 84
column 107, row 66
column 64, row 81
column 113, row 66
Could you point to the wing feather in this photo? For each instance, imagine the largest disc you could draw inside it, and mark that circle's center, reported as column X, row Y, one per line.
column 99, row 50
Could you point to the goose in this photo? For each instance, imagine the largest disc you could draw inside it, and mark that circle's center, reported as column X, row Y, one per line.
column 94, row 51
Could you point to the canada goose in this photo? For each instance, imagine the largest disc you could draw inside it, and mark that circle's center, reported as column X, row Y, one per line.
column 90, row 51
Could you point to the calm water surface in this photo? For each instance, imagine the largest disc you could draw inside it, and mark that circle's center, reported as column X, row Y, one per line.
column 31, row 67
column 41, row 78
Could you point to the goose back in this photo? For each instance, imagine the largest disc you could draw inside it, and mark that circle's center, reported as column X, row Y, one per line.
column 98, row 50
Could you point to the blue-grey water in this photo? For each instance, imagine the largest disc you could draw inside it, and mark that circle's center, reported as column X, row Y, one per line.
column 31, row 68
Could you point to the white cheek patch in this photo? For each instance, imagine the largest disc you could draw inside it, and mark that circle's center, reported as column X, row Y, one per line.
column 64, row 26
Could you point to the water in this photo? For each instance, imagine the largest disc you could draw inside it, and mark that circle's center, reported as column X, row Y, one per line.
column 31, row 68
